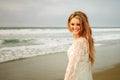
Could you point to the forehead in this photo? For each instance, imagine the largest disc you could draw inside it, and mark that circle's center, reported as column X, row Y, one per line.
column 75, row 20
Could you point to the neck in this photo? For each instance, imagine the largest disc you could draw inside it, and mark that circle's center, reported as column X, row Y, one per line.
column 76, row 37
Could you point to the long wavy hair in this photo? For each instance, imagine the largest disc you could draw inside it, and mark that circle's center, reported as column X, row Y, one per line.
column 85, row 31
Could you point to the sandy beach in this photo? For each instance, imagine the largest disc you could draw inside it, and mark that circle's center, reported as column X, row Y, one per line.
column 53, row 66
column 109, row 74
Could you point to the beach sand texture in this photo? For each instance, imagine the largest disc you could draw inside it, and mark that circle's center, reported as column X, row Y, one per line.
column 53, row 66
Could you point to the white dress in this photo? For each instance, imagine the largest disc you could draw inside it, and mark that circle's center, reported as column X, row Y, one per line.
column 79, row 66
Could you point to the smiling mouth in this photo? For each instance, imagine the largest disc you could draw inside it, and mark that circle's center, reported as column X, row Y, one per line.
column 76, row 30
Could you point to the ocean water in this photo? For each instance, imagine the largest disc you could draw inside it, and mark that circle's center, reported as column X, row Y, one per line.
column 16, row 43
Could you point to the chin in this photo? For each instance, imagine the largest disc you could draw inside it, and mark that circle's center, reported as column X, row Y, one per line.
column 76, row 33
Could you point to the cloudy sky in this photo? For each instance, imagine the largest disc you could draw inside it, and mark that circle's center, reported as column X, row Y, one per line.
column 55, row 12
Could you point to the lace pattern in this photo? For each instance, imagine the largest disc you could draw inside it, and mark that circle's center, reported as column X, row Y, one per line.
column 78, row 55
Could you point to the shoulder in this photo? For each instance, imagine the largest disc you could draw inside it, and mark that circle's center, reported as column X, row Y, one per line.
column 82, row 40
column 82, row 44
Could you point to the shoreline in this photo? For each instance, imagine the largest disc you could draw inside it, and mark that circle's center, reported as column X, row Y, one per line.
column 53, row 66
column 107, row 74
column 32, row 49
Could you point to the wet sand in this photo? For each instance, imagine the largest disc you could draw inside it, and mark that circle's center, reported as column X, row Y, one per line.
column 47, row 67
column 110, row 74
column 53, row 66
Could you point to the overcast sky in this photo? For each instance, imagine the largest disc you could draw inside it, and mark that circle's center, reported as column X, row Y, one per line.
column 55, row 12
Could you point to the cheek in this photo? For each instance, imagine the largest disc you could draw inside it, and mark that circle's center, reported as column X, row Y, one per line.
column 70, row 28
column 80, row 28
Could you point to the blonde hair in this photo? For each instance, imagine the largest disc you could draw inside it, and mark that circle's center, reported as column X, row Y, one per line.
column 85, row 32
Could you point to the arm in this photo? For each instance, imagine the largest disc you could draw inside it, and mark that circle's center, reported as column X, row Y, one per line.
column 80, row 48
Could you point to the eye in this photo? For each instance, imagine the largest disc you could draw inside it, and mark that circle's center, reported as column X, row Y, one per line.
column 78, row 24
column 72, row 24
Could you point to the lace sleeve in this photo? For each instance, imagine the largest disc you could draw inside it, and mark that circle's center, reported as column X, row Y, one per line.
column 80, row 47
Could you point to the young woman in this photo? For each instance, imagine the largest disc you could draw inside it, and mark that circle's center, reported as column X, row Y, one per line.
column 81, row 52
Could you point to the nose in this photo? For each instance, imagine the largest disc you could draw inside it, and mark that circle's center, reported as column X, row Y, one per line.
column 75, row 26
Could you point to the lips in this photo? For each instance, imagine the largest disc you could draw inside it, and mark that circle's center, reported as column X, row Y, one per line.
column 76, row 30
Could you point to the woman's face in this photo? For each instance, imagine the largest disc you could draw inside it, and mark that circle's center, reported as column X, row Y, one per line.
column 75, row 25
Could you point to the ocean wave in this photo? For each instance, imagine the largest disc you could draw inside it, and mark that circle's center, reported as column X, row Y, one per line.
column 105, row 29
column 23, row 43
column 18, row 52
column 12, row 53
column 32, row 31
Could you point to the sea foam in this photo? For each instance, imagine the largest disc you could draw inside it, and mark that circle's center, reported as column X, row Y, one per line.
column 34, row 42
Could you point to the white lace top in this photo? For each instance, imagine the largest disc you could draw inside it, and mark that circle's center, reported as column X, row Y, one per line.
column 79, row 66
